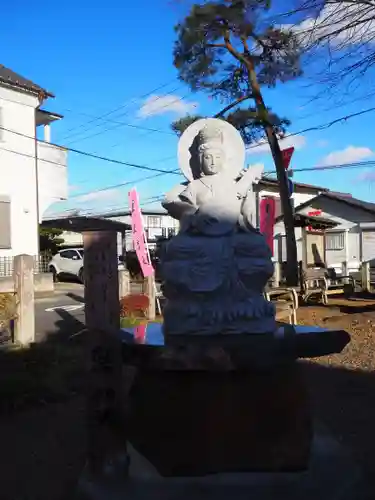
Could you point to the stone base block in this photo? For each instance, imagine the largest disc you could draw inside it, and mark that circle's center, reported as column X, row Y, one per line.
column 332, row 474
column 198, row 423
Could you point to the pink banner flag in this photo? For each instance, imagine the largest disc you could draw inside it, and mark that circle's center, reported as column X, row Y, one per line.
column 138, row 234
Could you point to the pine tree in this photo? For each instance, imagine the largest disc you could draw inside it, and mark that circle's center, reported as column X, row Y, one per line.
column 227, row 49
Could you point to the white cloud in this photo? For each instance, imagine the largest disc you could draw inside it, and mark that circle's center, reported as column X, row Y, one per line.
column 332, row 21
column 261, row 147
column 348, row 155
column 322, row 143
column 158, row 105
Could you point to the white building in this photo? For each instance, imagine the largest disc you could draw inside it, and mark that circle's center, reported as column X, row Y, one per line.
column 33, row 172
column 352, row 241
column 269, row 187
column 157, row 223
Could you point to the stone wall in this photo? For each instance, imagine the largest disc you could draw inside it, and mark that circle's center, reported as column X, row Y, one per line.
column 43, row 282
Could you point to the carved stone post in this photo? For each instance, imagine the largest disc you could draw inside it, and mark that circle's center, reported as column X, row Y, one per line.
column 124, row 282
column 23, row 276
column 151, row 294
column 365, row 272
column 105, row 402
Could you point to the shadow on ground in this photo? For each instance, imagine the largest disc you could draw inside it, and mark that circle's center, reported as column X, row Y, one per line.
column 43, row 434
column 77, row 298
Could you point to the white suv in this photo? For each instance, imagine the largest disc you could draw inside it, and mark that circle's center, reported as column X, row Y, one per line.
column 68, row 262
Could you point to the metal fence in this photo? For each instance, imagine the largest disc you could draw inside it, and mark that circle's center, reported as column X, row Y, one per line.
column 40, row 264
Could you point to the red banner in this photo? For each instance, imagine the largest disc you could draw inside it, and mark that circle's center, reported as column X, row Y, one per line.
column 267, row 219
column 287, row 156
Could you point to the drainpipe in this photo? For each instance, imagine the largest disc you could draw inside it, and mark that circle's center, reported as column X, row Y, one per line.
column 36, row 182
column 347, row 257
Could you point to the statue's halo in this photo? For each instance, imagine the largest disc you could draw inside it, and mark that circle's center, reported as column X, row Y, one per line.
column 233, row 144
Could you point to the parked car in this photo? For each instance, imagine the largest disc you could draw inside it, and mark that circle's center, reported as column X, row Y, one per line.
column 67, row 262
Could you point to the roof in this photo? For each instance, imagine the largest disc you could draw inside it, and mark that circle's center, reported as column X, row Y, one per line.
column 44, row 117
column 125, row 213
column 80, row 224
column 269, row 181
column 315, row 222
column 9, row 77
column 348, row 200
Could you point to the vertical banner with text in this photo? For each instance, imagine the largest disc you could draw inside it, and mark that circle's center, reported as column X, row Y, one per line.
column 267, row 220
column 138, row 235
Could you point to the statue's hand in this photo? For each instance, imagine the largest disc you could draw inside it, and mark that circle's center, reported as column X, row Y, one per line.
column 178, row 204
column 249, row 177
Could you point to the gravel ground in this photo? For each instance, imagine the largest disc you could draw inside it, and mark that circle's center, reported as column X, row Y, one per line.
column 43, row 438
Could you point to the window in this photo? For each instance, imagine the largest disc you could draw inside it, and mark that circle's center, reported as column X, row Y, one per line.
column 69, row 254
column 335, row 241
column 5, row 233
column 153, row 221
column 154, row 233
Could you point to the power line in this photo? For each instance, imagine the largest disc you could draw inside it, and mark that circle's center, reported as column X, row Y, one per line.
column 168, row 172
column 118, row 108
column 115, row 127
column 124, row 124
column 363, row 164
column 78, row 151
column 122, row 184
column 324, row 126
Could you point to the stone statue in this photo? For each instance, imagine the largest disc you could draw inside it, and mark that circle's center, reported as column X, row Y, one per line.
column 216, row 268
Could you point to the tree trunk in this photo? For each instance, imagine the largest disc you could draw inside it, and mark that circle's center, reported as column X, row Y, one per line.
column 292, row 262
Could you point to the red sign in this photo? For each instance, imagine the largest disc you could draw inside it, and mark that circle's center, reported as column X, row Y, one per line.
column 314, row 213
column 287, row 156
column 267, row 220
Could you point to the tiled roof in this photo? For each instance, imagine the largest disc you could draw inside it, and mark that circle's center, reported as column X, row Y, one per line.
column 9, row 77
column 348, row 200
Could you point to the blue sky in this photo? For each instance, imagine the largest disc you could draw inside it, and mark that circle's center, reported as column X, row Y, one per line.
column 100, row 56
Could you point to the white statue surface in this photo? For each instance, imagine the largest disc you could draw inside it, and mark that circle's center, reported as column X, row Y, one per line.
column 215, row 270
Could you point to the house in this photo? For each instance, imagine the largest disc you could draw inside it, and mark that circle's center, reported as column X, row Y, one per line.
column 352, row 241
column 269, row 187
column 157, row 223
column 33, row 170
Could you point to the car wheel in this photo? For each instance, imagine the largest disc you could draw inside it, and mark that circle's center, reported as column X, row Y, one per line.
column 81, row 276
column 54, row 274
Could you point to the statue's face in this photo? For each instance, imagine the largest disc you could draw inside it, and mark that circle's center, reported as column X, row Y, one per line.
column 212, row 161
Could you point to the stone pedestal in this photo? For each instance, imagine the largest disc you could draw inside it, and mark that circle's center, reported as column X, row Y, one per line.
column 197, row 423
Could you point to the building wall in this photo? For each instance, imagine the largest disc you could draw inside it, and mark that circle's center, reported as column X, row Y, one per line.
column 72, row 239
column 165, row 223
column 19, row 172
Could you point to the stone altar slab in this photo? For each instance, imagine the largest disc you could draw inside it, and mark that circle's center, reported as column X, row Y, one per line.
column 332, row 474
column 223, row 403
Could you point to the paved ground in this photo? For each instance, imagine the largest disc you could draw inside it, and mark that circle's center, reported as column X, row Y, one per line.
column 61, row 313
